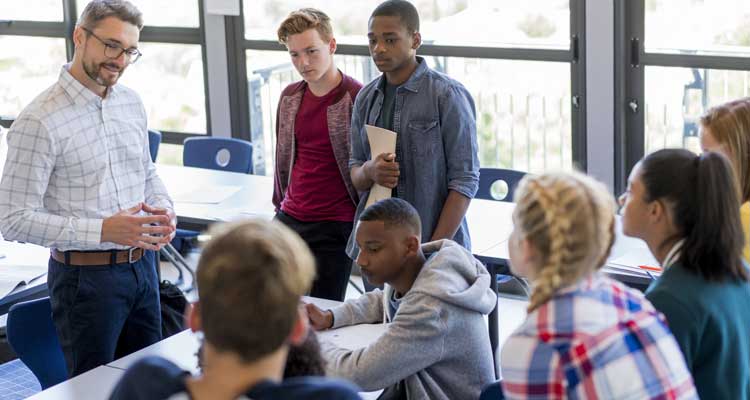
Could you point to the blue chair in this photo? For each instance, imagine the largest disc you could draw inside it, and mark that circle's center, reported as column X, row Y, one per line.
column 493, row 391
column 224, row 154
column 154, row 140
column 488, row 177
column 32, row 336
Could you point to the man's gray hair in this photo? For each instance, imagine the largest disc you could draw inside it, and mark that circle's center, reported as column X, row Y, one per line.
column 98, row 10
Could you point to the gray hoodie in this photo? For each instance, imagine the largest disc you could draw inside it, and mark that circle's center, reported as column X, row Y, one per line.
column 437, row 341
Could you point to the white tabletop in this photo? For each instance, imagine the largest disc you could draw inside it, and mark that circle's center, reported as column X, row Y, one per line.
column 92, row 385
column 182, row 347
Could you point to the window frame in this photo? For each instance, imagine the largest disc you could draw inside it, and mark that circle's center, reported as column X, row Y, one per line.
column 575, row 56
column 149, row 34
column 630, row 70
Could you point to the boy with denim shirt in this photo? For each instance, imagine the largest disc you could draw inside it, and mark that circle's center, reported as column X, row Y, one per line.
column 436, row 165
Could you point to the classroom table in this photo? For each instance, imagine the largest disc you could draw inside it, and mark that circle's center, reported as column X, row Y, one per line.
column 181, row 349
column 95, row 384
column 490, row 222
column 20, row 255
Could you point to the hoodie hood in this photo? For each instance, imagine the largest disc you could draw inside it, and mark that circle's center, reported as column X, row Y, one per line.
column 453, row 275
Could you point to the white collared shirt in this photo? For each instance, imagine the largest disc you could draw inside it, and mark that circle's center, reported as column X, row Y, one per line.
column 73, row 160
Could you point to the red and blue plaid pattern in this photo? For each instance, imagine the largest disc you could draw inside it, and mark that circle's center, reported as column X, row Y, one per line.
column 595, row 340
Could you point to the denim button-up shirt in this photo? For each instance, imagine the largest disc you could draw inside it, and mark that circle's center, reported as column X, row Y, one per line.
column 436, row 146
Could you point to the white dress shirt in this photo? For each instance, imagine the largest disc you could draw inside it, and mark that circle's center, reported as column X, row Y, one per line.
column 73, row 160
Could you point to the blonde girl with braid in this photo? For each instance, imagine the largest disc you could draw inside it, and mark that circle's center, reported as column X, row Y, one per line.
column 586, row 336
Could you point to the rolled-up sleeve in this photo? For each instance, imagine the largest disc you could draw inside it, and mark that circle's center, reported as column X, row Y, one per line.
column 458, row 124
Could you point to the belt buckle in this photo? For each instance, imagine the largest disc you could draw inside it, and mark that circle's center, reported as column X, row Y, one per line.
column 130, row 255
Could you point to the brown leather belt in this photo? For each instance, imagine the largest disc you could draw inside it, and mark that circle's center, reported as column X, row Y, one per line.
column 87, row 258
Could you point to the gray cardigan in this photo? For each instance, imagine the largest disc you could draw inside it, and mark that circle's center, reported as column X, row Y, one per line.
column 437, row 341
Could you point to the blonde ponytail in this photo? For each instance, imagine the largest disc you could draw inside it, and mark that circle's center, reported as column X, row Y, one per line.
column 569, row 219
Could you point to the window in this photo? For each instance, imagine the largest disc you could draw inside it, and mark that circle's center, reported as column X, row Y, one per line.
column 35, row 36
column 498, row 50
column 169, row 79
column 31, row 10
column 507, row 23
column 679, row 58
column 164, row 13
column 28, row 65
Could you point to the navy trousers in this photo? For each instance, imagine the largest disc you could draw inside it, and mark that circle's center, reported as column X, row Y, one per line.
column 104, row 312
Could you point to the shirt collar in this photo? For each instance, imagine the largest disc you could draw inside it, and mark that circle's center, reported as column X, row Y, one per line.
column 673, row 254
column 80, row 94
column 411, row 84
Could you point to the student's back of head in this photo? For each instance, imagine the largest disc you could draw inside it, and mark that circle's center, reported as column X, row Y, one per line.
column 250, row 277
column 701, row 193
column 568, row 218
column 304, row 359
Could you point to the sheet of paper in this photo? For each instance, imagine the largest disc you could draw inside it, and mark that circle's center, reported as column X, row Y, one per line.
column 215, row 195
column 381, row 141
column 353, row 337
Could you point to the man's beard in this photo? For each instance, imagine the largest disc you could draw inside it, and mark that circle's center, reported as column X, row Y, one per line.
column 93, row 72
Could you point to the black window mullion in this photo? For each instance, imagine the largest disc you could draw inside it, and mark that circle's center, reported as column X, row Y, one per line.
column 696, row 61
column 173, row 35
column 237, row 76
column 70, row 15
column 629, row 89
column 177, row 137
column 578, row 83
column 33, row 28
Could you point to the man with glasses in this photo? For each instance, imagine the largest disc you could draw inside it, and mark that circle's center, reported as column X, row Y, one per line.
column 79, row 180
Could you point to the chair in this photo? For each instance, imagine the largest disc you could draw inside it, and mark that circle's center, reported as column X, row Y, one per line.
column 32, row 336
column 154, row 140
column 488, row 177
column 493, row 391
column 224, row 154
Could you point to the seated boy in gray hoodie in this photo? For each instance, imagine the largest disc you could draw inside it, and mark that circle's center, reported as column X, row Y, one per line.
column 436, row 345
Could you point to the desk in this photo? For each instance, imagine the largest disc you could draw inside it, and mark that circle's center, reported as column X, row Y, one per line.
column 490, row 224
column 181, row 348
column 92, row 385
column 20, row 254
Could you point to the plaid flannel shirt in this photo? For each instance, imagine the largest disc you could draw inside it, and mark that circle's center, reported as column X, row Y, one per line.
column 596, row 339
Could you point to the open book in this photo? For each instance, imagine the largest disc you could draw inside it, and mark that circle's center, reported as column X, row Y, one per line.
column 20, row 263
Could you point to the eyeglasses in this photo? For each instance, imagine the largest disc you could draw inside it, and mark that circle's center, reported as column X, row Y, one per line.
column 114, row 51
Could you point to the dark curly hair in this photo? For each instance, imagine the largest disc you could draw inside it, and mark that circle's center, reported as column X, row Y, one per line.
column 303, row 359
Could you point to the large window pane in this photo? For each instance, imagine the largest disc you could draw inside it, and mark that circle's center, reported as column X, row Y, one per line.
column 182, row 13
column 676, row 98
column 506, row 23
column 169, row 79
column 28, row 65
column 31, row 10
column 720, row 27
column 523, row 108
